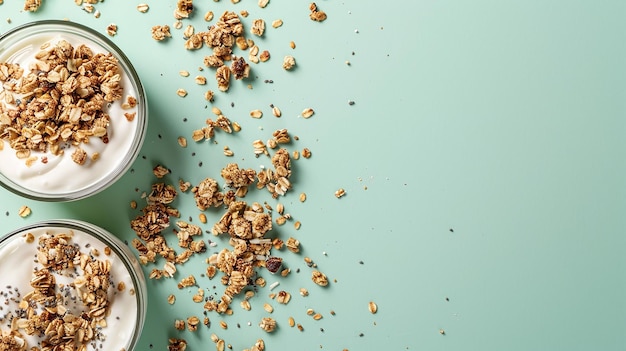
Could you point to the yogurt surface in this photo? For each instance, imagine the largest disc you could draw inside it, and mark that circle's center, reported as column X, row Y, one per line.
column 18, row 263
column 60, row 174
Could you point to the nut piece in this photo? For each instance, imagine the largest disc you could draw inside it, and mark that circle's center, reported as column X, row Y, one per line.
column 319, row 278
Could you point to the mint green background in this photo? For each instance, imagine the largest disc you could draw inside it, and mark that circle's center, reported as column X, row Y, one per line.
column 489, row 135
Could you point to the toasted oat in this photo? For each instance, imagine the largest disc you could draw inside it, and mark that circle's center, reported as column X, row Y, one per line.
column 189, row 31
column 200, row 80
column 373, row 308
column 340, row 193
column 277, row 23
column 264, row 56
column 276, row 111
column 24, row 211
column 171, row 299
column 182, row 141
column 292, row 44
column 208, row 16
column 181, row 92
column 143, row 8
column 256, row 114
column 222, row 76
column 228, row 152
column 307, row 112
column 263, row 3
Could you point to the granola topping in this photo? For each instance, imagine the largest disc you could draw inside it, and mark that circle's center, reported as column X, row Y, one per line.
column 69, row 298
column 65, row 104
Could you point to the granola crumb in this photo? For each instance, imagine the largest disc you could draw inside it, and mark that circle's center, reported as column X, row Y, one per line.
column 289, row 62
column 111, row 29
column 24, row 211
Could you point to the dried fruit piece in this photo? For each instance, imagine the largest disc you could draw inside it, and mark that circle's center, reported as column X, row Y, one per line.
column 273, row 264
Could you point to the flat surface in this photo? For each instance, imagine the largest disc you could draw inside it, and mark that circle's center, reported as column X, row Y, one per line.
column 483, row 160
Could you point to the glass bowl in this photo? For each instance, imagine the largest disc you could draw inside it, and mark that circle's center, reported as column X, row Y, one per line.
column 81, row 131
column 74, row 274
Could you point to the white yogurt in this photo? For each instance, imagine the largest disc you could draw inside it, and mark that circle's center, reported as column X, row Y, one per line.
column 18, row 260
column 61, row 174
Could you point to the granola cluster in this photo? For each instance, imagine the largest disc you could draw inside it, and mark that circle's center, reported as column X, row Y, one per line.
column 60, row 101
column 65, row 317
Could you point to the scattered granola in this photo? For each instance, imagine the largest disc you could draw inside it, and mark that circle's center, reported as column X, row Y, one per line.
column 268, row 324
column 184, row 8
column 24, row 211
column 111, row 29
column 289, row 62
column 258, row 27
column 316, row 14
column 32, row 5
column 373, row 308
column 143, row 8
column 161, row 32
column 319, row 278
